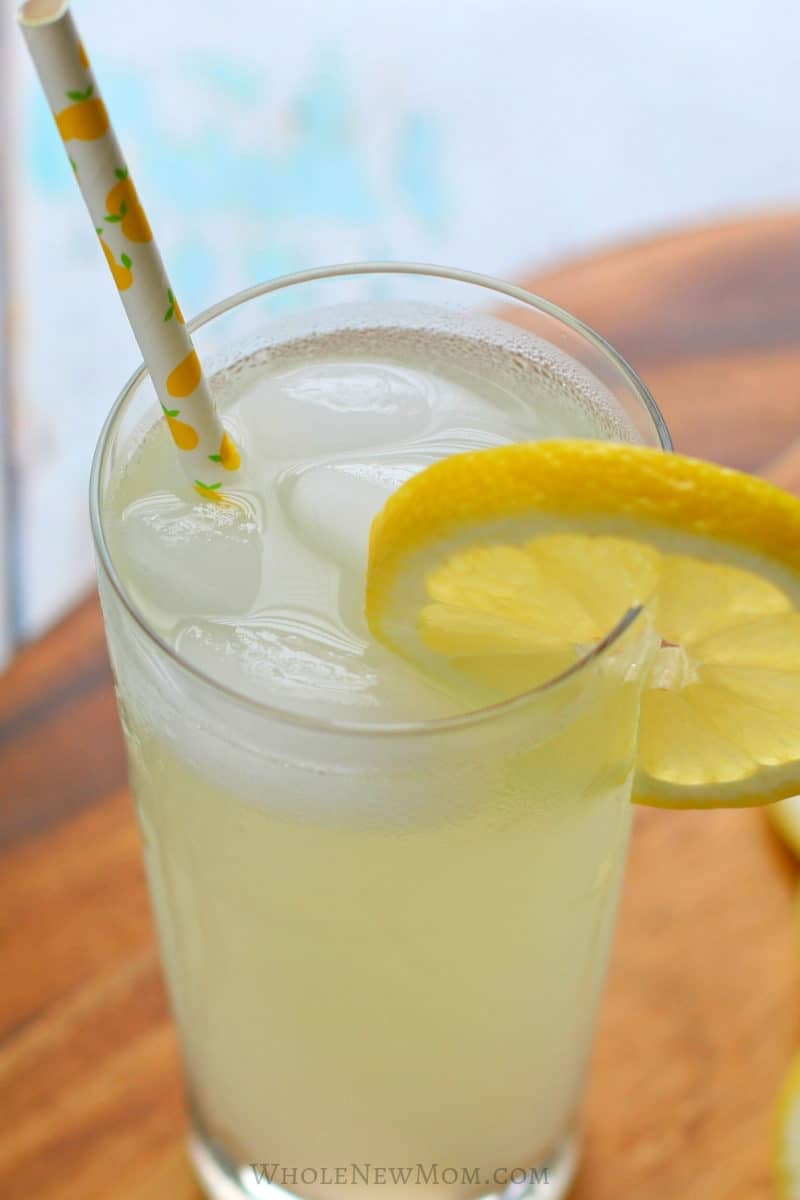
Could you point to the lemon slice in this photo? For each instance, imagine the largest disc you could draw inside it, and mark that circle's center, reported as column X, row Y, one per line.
column 496, row 571
column 785, row 818
column 787, row 1140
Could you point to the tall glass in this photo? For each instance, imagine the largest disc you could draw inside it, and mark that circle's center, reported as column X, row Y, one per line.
column 384, row 944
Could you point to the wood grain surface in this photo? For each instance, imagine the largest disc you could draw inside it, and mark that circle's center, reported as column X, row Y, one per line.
column 701, row 1014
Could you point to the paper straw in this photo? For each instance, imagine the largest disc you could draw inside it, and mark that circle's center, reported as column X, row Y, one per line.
column 206, row 451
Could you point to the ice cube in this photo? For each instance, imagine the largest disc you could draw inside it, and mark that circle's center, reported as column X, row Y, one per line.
column 181, row 558
column 282, row 658
column 332, row 507
column 327, row 408
column 302, row 663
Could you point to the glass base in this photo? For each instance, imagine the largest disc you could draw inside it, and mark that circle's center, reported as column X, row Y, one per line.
column 222, row 1180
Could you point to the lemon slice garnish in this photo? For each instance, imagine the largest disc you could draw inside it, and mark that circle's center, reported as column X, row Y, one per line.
column 785, row 818
column 787, row 1136
column 496, row 571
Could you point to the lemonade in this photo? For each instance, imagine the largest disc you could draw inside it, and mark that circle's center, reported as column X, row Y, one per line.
column 385, row 918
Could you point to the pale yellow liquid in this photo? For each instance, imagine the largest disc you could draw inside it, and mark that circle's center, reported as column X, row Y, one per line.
column 383, row 950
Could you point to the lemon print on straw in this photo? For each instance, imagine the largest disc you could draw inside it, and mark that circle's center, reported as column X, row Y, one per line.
column 211, row 491
column 124, row 207
column 123, row 275
column 184, row 379
column 83, row 56
column 183, row 435
column 86, row 118
column 228, row 454
column 174, row 309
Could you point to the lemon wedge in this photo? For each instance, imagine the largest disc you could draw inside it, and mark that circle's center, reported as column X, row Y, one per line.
column 785, row 818
column 497, row 570
column 787, row 1139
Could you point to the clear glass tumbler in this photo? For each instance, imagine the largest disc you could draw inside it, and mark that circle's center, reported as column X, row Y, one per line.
column 385, row 944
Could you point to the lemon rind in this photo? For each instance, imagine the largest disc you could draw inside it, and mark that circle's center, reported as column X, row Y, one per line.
column 582, row 479
column 785, row 823
column 653, row 793
column 788, row 1099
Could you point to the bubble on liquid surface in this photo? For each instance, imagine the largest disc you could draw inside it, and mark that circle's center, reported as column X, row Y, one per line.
column 191, row 557
column 336, row 406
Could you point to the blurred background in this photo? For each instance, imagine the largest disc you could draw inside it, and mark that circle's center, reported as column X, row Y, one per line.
column 498, row 135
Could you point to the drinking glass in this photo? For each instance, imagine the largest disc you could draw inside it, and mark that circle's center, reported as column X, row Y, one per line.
column 384, row 944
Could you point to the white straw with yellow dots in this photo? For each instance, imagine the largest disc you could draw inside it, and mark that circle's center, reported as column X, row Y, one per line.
column 207, row 451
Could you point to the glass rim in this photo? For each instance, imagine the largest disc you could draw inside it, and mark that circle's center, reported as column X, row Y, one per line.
column 298, row 719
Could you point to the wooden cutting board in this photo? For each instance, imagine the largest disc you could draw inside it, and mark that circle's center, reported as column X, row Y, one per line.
column 701, row 1014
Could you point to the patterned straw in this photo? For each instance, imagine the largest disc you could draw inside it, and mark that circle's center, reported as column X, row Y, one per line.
column 207, row 451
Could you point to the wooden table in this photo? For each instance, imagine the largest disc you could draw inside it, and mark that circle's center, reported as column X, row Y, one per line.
column 701, row 1015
